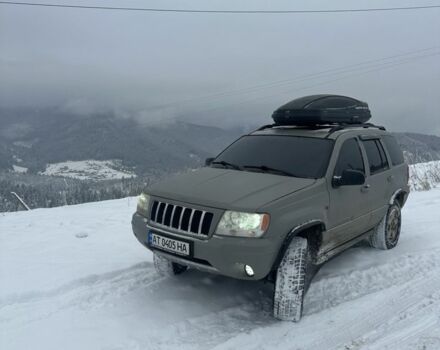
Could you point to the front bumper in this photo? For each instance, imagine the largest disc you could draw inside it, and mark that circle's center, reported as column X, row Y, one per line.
column 217, row 254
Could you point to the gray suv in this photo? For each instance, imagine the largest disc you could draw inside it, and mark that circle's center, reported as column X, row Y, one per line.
column 277, row 203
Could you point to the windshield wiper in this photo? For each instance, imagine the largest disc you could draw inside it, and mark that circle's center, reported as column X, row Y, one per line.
column 222, row 162
column 268, row 169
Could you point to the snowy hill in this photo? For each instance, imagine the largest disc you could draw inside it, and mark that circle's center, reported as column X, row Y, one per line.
column 76, row 278
column 89, row 170
column 419, row 148
column 34, row 139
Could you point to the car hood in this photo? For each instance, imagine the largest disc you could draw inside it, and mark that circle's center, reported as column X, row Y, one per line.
column 228, row 189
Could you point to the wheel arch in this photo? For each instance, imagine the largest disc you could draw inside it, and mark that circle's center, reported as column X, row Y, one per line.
column 399, row 196
column 311, row 230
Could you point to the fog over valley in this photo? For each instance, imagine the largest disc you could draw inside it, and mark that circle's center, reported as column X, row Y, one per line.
column 224, row 70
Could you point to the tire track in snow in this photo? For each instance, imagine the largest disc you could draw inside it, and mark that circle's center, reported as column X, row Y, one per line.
column 68, row 287
column 213, row 328
column 85, row 293
column 246, row 313
column 251, row 312
column 396, row 333
column 333, row 290
column 418, row 319
column 399, row 302
column 403, row 277
column 344, row 327
column 425, row 342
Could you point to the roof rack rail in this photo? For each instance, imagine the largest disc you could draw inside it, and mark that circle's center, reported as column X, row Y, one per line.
column 301, row 126
column 360, row 125
column 333, row 127
column 267, row 126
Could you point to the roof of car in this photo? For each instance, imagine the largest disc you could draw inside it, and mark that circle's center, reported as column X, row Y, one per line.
column 330, row 132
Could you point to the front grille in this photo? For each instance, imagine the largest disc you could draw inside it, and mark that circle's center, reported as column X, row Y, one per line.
column 181, row 218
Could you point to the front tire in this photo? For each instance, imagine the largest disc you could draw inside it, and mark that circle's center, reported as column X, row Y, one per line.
column 387, row 233
column 167, row 268
column 290, row 284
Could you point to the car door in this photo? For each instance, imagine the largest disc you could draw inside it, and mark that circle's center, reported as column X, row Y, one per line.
column 378, row 186
column 398, row 177
column 348, row 212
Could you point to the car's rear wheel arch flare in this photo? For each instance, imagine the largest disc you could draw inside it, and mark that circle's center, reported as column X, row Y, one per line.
column 399, row 197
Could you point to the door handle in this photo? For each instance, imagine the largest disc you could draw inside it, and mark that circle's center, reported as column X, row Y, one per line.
column 390, row 178
column 365, row 188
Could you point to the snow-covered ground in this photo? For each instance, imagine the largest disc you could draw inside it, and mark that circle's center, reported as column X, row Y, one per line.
column 76, row 278
column 88, row 170
column 19, row 169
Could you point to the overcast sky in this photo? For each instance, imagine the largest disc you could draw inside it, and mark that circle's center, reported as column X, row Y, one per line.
column 218, row 68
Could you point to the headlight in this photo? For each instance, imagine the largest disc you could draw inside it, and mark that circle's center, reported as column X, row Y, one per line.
column 143, row 203
column 238, row 224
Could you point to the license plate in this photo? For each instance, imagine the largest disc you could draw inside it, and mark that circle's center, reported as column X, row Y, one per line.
column 169, row 244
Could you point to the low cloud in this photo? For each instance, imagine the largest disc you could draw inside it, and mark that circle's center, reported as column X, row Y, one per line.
column 159, row 68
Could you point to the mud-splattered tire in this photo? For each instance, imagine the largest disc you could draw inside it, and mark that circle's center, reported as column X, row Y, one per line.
column 290, row 283
column 387, row 233
column 167, row 268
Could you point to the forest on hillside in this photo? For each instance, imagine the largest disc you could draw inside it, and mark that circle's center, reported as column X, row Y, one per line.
column 48, row 192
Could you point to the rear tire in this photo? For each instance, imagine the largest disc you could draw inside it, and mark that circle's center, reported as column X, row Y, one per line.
column 387, row 233
column 167, row 268
column 290, row 283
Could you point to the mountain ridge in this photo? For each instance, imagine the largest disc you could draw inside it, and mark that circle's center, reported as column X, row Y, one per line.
column 37, row 138
column 34, row 142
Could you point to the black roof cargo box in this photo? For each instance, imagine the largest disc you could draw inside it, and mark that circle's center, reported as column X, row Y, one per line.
column 322, row 109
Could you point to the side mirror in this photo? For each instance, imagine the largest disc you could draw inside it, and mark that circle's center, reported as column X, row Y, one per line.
column 208, row 161
column 349, row 177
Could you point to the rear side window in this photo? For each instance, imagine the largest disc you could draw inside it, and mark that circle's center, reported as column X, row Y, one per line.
column 350, row 157
column 376, row 156
column 393, row 149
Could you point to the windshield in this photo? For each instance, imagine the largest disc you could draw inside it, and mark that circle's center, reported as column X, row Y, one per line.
column 304, row 157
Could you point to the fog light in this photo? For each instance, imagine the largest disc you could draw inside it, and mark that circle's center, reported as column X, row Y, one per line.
column 249, row 270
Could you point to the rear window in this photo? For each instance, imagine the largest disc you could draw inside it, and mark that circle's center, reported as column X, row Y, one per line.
column 393, row 149
column 376, row 156
column 304, row 157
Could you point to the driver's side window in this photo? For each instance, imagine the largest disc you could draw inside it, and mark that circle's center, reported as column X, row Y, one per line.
column 350, row 157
